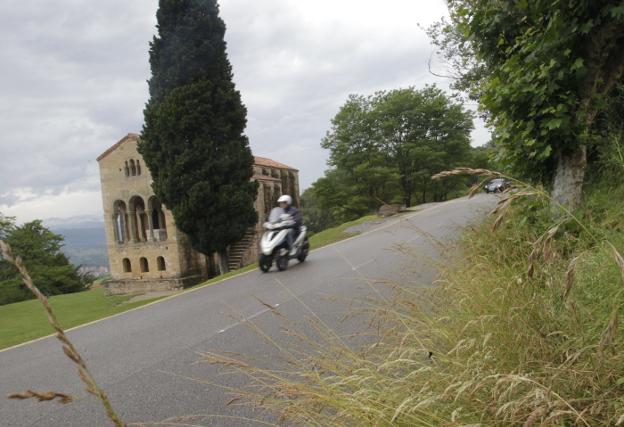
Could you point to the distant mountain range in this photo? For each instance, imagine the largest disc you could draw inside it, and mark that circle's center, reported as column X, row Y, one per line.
column 85, row 239
column 80, row 221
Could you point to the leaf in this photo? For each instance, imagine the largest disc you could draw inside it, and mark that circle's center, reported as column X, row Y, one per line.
column 587, row 26
column 554, row 123
column 579, row 63
column 546, row 152
column 617, row 11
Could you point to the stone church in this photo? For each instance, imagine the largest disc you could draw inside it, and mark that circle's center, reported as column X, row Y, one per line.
column 145, row 249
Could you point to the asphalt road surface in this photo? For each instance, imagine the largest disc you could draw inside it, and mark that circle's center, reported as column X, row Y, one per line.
column 149, row 360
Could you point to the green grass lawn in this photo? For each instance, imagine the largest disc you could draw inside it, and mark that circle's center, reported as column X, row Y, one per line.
column 335, row 234
column 24, row 321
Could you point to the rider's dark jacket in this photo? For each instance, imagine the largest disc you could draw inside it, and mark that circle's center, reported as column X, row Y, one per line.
column 296, row 216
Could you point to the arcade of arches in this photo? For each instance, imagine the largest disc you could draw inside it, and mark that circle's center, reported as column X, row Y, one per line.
column 134, row 223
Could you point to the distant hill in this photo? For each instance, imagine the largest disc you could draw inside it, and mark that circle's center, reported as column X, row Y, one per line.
column 85, row 239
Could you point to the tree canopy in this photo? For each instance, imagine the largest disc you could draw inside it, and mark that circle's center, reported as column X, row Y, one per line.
column 384, row 148
column 193, row 138
column 542, row 71
column 40, row 250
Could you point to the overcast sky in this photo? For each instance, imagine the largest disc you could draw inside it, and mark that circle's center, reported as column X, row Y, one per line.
column 74, row 82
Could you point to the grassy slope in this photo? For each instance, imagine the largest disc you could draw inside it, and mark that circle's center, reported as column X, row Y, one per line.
column 336, row 234
column 493, row 345
column 26, row 320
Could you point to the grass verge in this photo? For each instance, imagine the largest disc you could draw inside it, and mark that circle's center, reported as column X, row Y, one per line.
column 335, row 234
column 26, row 320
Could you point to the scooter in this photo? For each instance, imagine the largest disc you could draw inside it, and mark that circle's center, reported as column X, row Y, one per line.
column 274, row 245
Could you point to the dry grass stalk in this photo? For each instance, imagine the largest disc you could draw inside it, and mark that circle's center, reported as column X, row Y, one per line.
column 608, row 337
column 569, row 278
column 43, row 396
column 535, row 417
column 543, row 246
column 68, row 348
column 501, row 210
column 619, row 260
column 216, row 359
column 475, row 189
column 468, row 171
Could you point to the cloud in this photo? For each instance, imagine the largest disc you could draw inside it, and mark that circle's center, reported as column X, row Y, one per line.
column 74, row 82
column 31, row 205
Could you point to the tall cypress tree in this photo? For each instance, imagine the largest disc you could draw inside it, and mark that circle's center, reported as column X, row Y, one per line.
column 192, row 139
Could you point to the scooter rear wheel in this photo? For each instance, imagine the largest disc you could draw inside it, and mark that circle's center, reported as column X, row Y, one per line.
column 304, row 250
column 282, row 263
column 265, row 262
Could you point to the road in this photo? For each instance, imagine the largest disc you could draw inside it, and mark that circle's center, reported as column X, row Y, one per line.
column 146, row 359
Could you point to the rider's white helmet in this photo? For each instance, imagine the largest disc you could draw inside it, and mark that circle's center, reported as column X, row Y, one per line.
column 285, row 199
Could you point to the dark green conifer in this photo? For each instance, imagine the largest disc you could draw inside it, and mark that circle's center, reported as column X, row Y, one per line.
column 193, row 138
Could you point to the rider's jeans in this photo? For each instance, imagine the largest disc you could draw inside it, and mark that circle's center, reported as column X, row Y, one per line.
column 290, row 239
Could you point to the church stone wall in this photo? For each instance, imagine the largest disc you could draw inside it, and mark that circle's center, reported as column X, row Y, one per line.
column 143, row 257
column 143, row 254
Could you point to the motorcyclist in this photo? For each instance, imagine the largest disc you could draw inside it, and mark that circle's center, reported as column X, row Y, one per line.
column 285, row 202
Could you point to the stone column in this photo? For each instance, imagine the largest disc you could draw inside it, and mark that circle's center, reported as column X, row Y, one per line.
column 141, row 226
column 150, row 222
column 126, row 230
column 133, row 226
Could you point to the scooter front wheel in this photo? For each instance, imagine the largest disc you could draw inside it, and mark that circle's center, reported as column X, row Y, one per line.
column 265, row 262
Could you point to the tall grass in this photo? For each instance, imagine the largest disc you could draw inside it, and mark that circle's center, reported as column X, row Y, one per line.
column 66, row 344
column 523, row 329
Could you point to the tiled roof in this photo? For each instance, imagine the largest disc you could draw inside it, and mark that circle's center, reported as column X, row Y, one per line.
column 263, row 161
column 134, row 136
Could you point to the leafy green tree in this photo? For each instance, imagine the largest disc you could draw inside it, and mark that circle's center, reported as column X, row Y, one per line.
column 355, row 145
column 391, row 143
column 543, row 71
column 7, row 225
column 384, row 148
column 424, row 132
column 335, row 198
column 193, row 138
column 48, row 266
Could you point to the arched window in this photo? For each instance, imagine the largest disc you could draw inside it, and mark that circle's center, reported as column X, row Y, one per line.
column 127, row 169
column 138, row 167
column 119, row 231
column 139, row 225
column 119, row 221
column 159, row 225
column 155, row 219
column 132, row 168
column 144, row 265
column 160, row 261
column 127, row 266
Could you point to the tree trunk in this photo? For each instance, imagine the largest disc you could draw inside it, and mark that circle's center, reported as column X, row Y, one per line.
column 223, row 262
column 569, row 176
